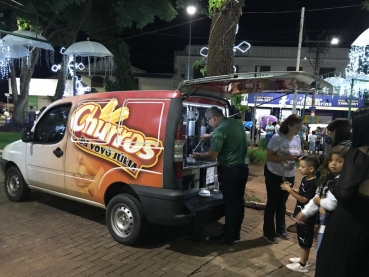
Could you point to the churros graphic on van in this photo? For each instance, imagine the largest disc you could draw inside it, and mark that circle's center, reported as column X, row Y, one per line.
column 99, row 130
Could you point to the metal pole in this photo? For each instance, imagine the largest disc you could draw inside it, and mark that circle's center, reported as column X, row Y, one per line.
column 74, row 75
column 350, row 100
column 317, row 85
column 189, row 51
column 300, row 39
column 298, row 57
column 254, row 135
column 303, row 109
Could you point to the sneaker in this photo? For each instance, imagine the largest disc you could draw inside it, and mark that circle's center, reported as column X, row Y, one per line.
column 271, row 239
column 283, row 235
column 297, row 260
column 297, row 267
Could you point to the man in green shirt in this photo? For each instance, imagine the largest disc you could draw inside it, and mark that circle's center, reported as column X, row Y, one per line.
column 229, row 147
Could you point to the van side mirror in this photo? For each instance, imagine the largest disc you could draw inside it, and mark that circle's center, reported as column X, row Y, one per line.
column 26, row 135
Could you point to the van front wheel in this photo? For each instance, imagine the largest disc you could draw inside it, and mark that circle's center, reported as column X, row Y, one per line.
column 125, row 219
column 16, row 188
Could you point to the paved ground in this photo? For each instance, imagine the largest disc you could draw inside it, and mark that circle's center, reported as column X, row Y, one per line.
column 50, row 236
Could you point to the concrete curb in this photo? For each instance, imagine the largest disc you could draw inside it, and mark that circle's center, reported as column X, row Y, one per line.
column 261, row 206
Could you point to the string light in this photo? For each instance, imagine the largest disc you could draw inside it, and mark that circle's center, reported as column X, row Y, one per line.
column 68, row 89
column 243, row 47
column 5, row 60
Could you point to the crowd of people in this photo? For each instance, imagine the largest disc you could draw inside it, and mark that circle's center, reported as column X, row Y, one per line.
column 334, row 192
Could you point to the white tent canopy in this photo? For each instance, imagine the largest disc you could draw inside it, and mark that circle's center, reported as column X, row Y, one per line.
column 88, row 49
column 362, row 40
column 18, row 40
column 8, row 51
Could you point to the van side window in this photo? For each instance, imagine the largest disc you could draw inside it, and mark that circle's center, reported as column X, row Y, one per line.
column 52, row 125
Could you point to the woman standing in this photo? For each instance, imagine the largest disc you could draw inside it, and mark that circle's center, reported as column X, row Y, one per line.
column 344, row 248
column 340, row 132
column 284, row 150
column 269, row 129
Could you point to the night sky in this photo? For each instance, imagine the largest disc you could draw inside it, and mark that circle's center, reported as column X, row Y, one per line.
column 263, row 23
column 155, row 52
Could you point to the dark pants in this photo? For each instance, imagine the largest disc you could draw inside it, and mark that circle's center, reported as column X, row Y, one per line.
column 276, row 204
column 232, row 182
column 267, row 138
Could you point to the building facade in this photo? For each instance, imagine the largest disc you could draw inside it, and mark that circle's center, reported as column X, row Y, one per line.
column 269, row 58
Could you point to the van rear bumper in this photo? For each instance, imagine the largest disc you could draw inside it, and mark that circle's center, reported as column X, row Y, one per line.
column 170, row 207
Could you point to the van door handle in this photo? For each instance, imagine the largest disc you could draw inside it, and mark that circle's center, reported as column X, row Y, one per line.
column 58, row 152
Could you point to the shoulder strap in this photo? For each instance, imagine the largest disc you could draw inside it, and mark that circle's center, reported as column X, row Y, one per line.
column 364, row 149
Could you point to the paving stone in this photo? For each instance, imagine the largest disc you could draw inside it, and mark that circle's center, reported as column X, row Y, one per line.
column 50, row 236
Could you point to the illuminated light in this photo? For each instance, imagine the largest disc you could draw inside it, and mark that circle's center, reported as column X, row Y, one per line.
column 5, row 61
column 243, row 47
column 191, row 10
column 80, row 66
column 56, row 67
column 335, row 41
column 239, row 47
column 68, row 91
column 204, row 51
column 62, row 50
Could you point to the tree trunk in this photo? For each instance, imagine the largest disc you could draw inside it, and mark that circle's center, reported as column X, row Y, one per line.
column 62, row 76
column 222, row 38
column 26, row 73
column 85, row 10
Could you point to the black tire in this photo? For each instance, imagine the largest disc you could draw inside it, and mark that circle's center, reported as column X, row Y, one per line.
column 15, row 187
column 125, row 219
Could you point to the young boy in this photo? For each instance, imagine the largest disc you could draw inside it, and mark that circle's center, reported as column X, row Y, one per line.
column 312, row 143
column 305, row 232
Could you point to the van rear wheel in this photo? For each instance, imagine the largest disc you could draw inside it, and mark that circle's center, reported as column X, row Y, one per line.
column 125, row 219
column 16, row 188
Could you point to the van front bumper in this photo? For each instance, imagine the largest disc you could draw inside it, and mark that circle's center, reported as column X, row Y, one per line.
column 170, row 207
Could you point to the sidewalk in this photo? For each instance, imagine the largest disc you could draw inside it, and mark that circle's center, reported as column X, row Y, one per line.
column 51, row 236
column 255, row 187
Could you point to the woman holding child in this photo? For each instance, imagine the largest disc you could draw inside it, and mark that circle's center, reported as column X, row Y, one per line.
column 344, row 247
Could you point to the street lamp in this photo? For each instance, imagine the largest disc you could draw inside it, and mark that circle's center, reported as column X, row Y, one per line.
column 190, row 10
column 335, row 41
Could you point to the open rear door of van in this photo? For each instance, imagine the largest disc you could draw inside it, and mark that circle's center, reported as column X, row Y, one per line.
column 200, row 94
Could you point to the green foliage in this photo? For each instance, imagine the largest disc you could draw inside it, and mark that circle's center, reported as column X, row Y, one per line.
column 262, row 144
column 123, row 73
column 237, row 102
column 141, row 13
column 8, row 137
column 201, row 63
column 365, row 5
column 252, row 199
column 257, row 156
column 214, row 6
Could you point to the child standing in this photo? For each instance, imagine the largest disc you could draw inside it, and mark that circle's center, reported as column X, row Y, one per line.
column 324, row 200
column 305, row 232
column 312, row 143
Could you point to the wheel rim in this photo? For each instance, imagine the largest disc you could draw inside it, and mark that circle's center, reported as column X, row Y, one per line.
column 13, row 184
column 122, row 220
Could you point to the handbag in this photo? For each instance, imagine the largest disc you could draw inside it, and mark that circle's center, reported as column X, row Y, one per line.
column 364, row 186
